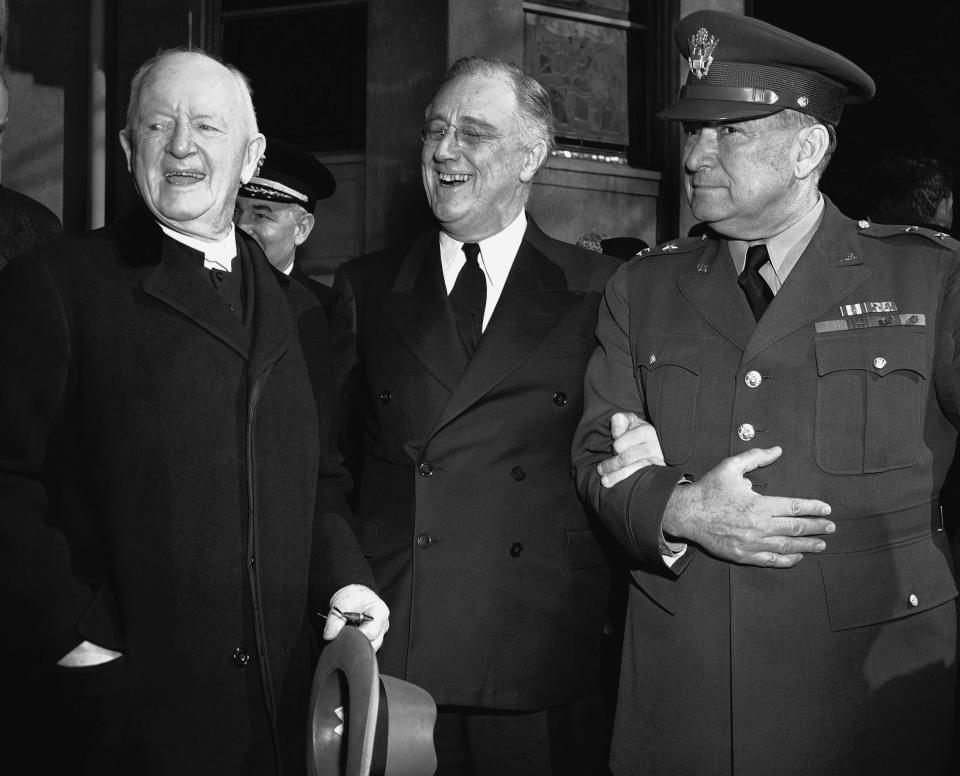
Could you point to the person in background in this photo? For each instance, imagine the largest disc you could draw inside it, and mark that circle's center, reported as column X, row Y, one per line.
column 912, row 190
column 793, row 607
column 162, row 555
column 466, row 352
column 24, row 222
column 276, row 208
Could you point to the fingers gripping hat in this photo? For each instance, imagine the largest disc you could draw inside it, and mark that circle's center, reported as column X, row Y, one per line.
column 289, row 174
column 362, row 723
column 743, row 68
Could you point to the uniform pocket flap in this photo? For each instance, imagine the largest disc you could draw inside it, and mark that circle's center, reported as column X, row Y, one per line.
column 585, row 552
column 874, row 586
column 687, row 354
column 881, row 350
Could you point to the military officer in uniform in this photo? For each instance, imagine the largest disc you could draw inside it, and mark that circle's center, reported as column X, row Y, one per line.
column 793, row 601
column 276, row 208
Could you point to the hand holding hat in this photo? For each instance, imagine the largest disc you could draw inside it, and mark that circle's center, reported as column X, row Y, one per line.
column 361, row 603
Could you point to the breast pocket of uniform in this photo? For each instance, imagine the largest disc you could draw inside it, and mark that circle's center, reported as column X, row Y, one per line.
column 669, row 375
column 870, row 393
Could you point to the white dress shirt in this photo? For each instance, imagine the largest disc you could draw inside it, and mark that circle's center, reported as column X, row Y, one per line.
column 496, row 258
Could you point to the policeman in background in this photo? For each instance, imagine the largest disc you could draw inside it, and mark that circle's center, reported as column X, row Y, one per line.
column 276, row 208
column 793, row 607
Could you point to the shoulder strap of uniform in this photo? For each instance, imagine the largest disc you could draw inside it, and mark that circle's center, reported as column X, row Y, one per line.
column 679, row 245
column 883, row 231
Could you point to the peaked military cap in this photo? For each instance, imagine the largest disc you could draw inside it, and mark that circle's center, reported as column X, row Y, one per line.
column 744, row 68
column 289, row 174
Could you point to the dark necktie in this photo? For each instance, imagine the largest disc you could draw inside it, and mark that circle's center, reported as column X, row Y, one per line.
column 751, row 281
column 469, row 297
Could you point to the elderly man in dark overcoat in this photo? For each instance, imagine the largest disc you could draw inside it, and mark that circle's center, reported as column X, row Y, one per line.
column 470, row 346
column 793, row 607
column 171, row 508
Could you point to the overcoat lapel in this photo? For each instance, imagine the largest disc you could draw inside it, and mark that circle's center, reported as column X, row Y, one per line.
column 417, row 309
column 272, row 321
column 177, row 282
column 829, row 270
column 534, row 300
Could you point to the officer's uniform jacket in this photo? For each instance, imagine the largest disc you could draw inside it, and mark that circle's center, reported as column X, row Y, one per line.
column 845, row 663
column 495, row 579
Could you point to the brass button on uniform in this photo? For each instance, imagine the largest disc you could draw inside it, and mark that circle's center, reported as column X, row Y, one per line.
column 241, row 657
column 425, row 470
column 913, row 600
column 879, row 362
column 424, row 540
column 752, row 378
column 385, row 396
column 516, row 550
column 560, row 398
column 746, row 432
column 517, row 473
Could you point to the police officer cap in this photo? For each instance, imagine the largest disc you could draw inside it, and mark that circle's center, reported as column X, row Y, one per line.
column 743, row 68
column 289, row 174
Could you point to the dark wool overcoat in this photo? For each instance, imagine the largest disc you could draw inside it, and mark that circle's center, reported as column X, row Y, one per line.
column 845, row 663
column 168, row 489
column 495, row 578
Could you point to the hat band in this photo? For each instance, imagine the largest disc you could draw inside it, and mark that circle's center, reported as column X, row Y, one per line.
column 731, row 94
column 269, row 185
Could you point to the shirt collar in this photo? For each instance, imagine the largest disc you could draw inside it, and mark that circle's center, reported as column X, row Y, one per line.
column 216, row 255
column 496, row 253
column 785, row 248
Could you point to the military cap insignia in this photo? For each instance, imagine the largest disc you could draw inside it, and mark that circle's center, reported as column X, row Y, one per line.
column 702, row 44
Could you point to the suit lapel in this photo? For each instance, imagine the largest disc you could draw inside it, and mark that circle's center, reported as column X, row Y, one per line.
column 534, row 300
column 417, row 309
column 828, row 271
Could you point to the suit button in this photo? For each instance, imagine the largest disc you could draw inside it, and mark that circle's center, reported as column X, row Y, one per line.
column 424, row 541
column 425, row 469
column 746, row 432
column 516, row 550
column 560, row 398
column 241, row 657
column 913, row 600
column 879, row 362
column 517, row 473
column 752, row 379
column 385, row 396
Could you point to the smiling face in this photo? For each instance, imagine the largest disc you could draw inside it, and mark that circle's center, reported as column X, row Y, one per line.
column 477, row 187
column 190, row 143
column 742, row 178
column 277, row 227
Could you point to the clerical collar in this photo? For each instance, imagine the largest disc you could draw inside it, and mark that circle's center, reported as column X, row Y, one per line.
column 216, row 255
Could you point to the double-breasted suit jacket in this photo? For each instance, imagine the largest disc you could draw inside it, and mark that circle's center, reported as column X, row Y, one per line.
column 169, row 489
column 846, row 662
column 494, row 575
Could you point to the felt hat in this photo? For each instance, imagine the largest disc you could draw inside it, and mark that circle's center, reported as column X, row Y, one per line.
column 289, row 174
column 743, row 68
column 361, row 723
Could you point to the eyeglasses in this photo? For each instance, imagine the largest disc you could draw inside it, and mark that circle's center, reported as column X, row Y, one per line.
column 467, row 137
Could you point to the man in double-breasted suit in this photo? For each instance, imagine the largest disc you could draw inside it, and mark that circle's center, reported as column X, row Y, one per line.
column 171, row 508
column 495, row 578
column 793, row 607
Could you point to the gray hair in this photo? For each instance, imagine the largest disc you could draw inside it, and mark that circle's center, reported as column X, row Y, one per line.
column 140, row 78
column 798, row 120
column 536, row 114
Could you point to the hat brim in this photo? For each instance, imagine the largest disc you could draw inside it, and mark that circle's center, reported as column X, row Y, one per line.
column 716, row 110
